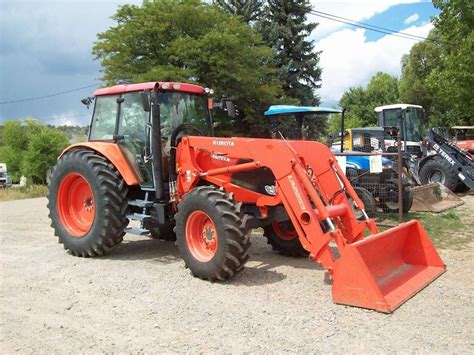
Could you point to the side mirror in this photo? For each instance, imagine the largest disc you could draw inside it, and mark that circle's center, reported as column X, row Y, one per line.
column 88, row 101
column 145, row 101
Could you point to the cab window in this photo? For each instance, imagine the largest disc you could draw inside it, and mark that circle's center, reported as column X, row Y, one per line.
column 104, row 118
column 177, row 108
column 132, row 117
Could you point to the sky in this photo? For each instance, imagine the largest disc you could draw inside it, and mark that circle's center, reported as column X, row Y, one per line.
column 45, row 48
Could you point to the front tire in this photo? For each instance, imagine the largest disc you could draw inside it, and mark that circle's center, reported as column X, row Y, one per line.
column 87, row 203
column 210, row 235
column 439, row 170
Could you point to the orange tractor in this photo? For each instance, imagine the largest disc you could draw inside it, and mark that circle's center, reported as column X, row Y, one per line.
column 151, row 157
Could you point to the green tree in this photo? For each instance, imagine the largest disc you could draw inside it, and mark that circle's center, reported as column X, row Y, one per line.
column 248, row 10
column 453, row 79
column 360, row 103
column 383, row 89
column 15, row 135
column 285, row 28
column 191, row 41
column 30, row 149
column 44, row 146
column 417, row 66
column 437, row 73
column 15, row 139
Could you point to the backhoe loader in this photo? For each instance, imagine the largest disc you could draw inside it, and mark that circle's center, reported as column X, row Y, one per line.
column 151, row 157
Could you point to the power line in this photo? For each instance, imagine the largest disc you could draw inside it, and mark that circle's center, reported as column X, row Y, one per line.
column 50, row 95
column 369, row 25
column 364, row 27
column 374, row 28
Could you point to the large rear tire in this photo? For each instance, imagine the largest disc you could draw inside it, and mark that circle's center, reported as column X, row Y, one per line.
column 210, row 235
column 439, row 170
column 87, row 203
column 284, row 239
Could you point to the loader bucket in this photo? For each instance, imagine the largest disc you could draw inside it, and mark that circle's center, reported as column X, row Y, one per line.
column 384, row 270
column 434, row 197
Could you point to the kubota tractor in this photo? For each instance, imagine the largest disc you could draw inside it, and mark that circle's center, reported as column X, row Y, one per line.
column 151, row 157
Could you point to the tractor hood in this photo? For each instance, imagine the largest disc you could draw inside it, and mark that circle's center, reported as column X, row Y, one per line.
column 362, row 162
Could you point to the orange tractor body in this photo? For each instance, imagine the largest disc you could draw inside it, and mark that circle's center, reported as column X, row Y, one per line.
column 218, row 189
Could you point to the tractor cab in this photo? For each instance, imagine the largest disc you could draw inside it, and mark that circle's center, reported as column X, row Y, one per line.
column 409, row 119
column 126, row 114
column 297, row 122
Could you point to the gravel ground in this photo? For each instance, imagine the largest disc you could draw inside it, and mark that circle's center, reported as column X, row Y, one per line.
column 141, row 298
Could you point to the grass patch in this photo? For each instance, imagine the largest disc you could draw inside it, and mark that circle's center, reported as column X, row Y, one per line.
column 446, row 229
column 19, row 193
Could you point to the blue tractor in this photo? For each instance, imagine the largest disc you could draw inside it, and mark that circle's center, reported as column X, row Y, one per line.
column 377, row 190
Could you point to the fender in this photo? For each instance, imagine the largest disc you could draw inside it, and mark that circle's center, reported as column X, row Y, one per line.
column 113, row 153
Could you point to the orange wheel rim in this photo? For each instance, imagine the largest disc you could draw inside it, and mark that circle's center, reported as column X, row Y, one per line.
column 201, row 236
column 284, row 230
column 76, row 205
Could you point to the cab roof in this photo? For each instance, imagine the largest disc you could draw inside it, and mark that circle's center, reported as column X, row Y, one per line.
column 289, row 109
column 395, row 106
column 172, row 86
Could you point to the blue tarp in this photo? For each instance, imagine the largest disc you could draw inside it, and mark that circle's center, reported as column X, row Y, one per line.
column 289, row 109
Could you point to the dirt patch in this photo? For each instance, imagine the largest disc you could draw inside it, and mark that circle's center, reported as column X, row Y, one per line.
column 141, row 298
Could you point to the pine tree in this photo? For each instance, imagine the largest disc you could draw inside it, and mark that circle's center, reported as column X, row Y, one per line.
column 285, row 29
column 248, row 10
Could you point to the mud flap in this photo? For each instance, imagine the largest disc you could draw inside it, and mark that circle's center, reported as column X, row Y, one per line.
column 383, row 271
column 434, row 197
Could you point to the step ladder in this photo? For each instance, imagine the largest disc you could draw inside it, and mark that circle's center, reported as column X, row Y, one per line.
column 142, row 217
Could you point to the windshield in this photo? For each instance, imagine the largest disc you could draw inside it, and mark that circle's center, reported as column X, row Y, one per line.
column 288, row 126
column 178, row 107
column 413, row 121
column 313, row 126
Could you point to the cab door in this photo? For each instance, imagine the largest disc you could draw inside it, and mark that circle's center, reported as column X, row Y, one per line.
column 132, row 131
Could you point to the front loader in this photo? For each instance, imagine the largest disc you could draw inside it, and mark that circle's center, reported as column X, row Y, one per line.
column 141, row 163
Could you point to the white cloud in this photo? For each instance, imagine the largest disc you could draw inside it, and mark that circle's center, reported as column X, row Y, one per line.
column 69, row 118
column 411, row 18
column 349, row 60
column 353, row 9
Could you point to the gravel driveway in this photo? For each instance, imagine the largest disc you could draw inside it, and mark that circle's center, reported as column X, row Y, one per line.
column 141, row 298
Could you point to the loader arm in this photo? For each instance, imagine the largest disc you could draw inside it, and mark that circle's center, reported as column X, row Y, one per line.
column 317, row 205
column 380, row 271
column 459, row 160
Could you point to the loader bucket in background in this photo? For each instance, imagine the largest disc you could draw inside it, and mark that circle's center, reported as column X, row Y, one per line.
column 384, row 270
column 434, row 197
